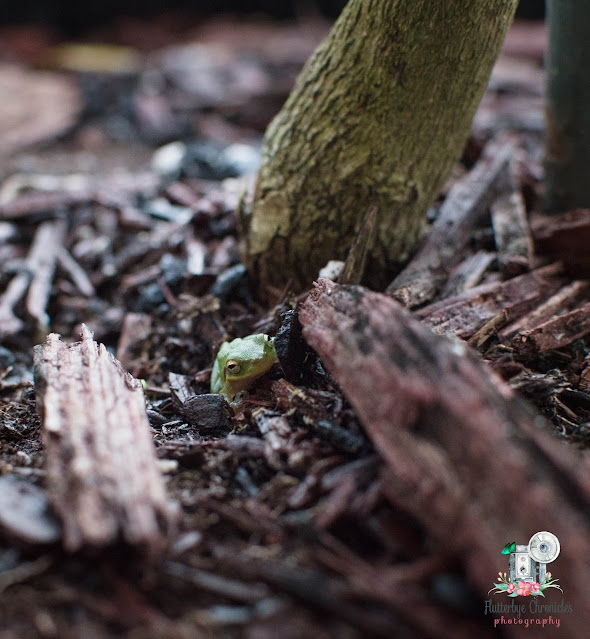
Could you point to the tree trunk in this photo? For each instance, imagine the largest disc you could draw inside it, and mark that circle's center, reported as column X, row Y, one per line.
column 378, row 116
column 568, row 106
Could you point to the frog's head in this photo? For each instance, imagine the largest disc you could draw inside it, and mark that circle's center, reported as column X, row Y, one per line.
column 243, row 360
column 247, row 358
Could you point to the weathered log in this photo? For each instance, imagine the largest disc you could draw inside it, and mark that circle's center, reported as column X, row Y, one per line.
column 102, row 473
column 469, row 459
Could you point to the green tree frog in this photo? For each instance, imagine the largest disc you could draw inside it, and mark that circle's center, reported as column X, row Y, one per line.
column 240, row 362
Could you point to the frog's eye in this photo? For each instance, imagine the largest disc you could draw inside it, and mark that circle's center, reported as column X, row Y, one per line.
column 233, row 367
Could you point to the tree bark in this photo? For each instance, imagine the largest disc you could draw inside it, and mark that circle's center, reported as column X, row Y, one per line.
column 567, row 162
column 469, row 459
column 379, row 114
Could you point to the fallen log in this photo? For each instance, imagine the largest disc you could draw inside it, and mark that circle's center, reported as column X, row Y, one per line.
column 102, row 474
column 469, row 459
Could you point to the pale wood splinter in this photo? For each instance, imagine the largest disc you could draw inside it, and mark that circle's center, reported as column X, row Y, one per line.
column 102, row 473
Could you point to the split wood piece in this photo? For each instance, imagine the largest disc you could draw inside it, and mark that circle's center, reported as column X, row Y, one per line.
column 36, row 275
column 489, row 330
column 466, row 313
column 76, row 273
column 556, row 333
column 166, row 236
column 136, row 328
column 468, row 273
column 469, row 459
column 564, row 299
column 567, row 238
column 226, row 587
column 188, row 452
column 465, row 207
column 49, row 238
column 10, row 324
column 42, row 204
column 511, row 231
column 103, row 478
column 354, row 266
column 278, row 438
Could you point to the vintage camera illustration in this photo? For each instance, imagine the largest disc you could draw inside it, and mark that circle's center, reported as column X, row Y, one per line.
column 529, row 563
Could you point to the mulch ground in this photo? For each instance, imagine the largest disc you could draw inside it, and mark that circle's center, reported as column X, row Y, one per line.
column 322, row 507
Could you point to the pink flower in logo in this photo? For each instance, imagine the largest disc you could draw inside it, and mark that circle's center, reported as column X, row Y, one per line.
column 548, row 576
column 511, row 588
column 535, row 587
column 524, row 589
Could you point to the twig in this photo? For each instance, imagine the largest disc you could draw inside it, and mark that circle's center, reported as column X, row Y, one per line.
column 36, row 275
column 76, row 272
column 48, row 241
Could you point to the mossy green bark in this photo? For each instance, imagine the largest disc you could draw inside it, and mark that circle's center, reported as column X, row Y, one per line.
column 567, row 163
column 378, row 116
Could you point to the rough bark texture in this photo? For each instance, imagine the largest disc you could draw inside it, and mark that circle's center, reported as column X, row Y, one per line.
column 103, row 478
column 464, row 455
column 568, row 106
column 379, row 114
